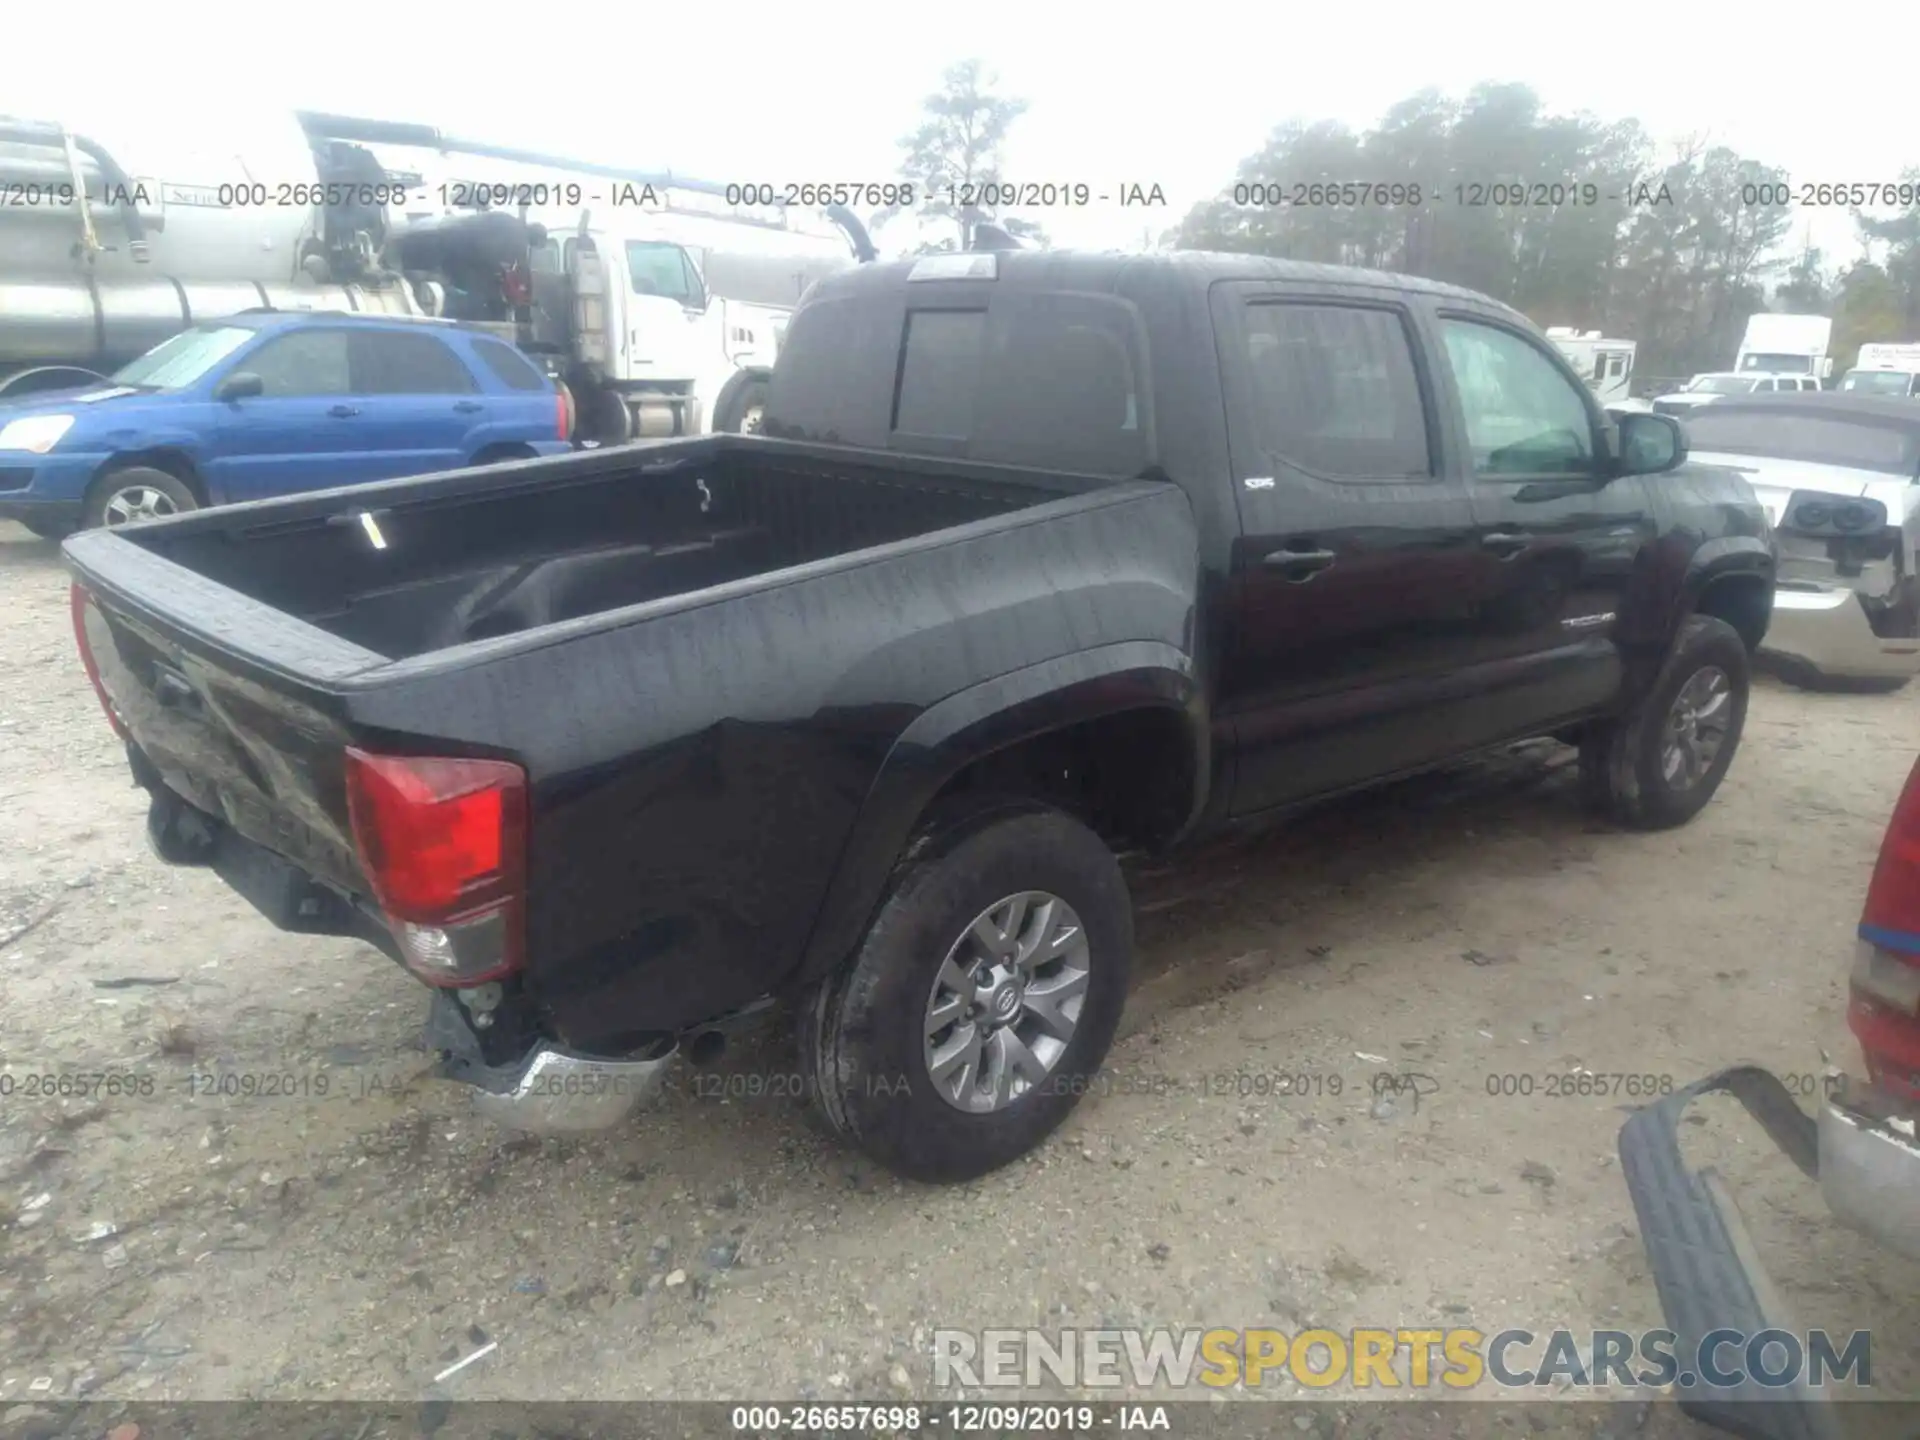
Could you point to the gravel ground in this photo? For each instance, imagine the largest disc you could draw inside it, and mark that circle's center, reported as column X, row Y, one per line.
column 172, row 1246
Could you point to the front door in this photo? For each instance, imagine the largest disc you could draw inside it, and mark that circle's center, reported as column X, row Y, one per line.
column 302, row 432
column 1347, row 605
column 1558, row 538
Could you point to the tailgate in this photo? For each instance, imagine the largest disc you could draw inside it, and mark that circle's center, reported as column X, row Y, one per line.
column 233, row 705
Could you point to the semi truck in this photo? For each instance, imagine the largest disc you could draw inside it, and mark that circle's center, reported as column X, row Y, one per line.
column 108, row 249
column 1786, row 345
column 1885, row 369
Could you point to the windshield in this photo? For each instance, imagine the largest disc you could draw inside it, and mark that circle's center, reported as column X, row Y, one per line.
column 1722, row 384
column 183, row 359
column 1878, row 382
column 1852, row 442
column 1778, row 364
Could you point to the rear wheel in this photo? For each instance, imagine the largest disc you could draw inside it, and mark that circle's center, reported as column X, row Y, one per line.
column 136, row 493
column 1658, row 765
column 982, row 1000
column 746, row 410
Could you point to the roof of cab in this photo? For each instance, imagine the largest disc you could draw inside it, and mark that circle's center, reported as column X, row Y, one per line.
column 1098, row 270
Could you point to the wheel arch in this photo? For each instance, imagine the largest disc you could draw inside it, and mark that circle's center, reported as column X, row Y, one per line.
column 172, row 459
column 1731, row 579
column 1135, row 705
column 731, row 393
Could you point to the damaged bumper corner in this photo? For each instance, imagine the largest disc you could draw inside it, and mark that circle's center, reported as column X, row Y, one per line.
column 1705, row 1266
column 548, row 1089
column 1825, row 630
column 1869, row 1168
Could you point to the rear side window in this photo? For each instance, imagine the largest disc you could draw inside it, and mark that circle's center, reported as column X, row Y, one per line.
column 833, row 382
column 509, row 367
column 1335, row 391
column 387, row 362
column 1051, row 381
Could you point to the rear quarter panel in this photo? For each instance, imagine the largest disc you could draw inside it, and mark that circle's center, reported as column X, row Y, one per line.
column 697, row 774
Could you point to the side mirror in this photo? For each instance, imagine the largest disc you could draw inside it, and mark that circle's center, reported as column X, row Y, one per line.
column 242, row 385
column 1650, row 444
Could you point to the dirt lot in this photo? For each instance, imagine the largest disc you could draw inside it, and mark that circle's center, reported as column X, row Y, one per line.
column 172, row 1246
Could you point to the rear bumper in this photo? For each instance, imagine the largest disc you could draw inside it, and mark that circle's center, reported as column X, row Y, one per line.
column 544, row 1088
column 1869, row 1169
column 1705, row 1265
column 1827, row 632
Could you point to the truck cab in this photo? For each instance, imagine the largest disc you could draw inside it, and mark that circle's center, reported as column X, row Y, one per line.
column 660, row 324
column 1890, row 370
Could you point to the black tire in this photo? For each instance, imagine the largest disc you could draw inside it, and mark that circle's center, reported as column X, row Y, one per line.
column 747, row 400
column 1621, row 761
column 117, row 483
column 862, row 1031
column 50, row 529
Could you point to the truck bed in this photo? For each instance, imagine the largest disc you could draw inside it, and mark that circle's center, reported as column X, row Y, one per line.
column 500, row 553
column 701, row 653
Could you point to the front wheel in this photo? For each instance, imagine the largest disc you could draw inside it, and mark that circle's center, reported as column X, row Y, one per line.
column 137, row 493
column 1659, row 764
column 983, row 999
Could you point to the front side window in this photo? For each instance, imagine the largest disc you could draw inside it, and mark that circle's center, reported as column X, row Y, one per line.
column 304, row 362
column 183, row 359
column 1523, row 416
column 658, row 267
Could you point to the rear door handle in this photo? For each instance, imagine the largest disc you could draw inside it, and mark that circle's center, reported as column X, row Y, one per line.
column 1505, row 543
column 467, row 407
column 341, row 412
column 1299, row 565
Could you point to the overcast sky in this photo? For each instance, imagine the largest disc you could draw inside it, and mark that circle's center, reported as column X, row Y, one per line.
column 1119, row 93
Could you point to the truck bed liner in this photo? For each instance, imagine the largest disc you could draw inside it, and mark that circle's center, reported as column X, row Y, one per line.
column 599, row 533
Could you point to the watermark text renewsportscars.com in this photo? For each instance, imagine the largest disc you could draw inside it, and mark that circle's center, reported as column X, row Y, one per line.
column 1451, row 1358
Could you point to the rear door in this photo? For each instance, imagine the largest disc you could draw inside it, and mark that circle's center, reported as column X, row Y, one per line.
column 1557, row 539
column 303, row 432
column 420, row 407
column 1351, row 600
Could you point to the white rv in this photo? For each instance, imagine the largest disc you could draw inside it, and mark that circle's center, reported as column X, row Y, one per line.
column 1606, row 365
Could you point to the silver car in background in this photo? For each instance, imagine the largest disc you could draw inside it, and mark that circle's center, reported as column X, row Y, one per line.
column 1837, row 474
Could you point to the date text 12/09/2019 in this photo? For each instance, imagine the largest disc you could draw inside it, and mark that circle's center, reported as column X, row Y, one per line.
column 977, row 194
column 1469, row 195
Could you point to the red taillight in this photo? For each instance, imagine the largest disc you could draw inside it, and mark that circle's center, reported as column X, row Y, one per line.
column 563, row 409
column 81, row 601
column 444, row 846
column 1891, row 918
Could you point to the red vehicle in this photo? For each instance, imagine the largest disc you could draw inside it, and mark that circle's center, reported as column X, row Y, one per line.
column 1863, row 1146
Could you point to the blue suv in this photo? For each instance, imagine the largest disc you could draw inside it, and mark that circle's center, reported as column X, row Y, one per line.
column 269, row 403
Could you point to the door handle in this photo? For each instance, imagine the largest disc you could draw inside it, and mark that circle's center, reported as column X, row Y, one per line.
column 467, row 407
column 1299, row 565
column 1505, row 543
column 341, row 412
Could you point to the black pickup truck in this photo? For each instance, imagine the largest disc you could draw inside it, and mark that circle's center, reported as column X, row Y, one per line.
column 1041, row 557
